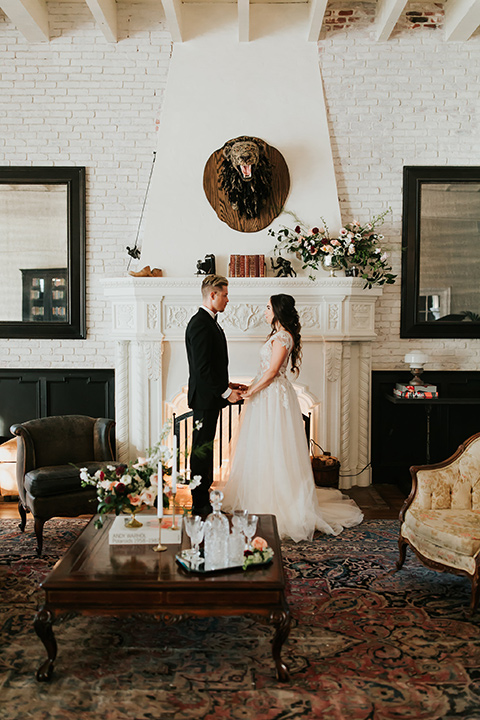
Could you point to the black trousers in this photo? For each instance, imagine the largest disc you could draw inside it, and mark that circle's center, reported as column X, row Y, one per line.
column 201, row 458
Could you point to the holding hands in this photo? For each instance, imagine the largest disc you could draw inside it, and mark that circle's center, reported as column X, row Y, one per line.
column 237, row 393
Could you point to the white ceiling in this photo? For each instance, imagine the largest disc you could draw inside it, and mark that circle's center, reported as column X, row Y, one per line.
column 30, row 17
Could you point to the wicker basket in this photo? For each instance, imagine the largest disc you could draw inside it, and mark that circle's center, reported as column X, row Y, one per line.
column 325, row 468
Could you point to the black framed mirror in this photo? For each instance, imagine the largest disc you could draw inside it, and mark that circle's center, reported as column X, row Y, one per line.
column 441, row 252
column 42, row 246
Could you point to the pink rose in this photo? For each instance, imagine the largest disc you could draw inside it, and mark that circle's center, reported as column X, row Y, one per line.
column 259, row 543
column 135, row 499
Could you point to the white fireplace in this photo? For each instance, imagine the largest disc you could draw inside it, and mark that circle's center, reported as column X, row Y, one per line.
column 149, row 316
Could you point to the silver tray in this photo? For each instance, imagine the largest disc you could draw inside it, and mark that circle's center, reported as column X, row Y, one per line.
column 185, row 561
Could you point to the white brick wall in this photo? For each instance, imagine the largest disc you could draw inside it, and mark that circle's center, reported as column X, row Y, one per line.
column 413, row 100
column 79, row 100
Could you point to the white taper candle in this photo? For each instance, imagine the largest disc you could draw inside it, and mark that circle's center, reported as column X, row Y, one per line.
column 174, row 465
column 160, row 492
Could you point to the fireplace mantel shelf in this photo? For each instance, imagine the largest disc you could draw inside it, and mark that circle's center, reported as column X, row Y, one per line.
column 335, row 308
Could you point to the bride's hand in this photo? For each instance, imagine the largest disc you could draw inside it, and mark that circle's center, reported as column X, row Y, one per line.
column 247, row 394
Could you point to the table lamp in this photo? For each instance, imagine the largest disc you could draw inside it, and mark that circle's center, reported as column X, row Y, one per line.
column 416, row 360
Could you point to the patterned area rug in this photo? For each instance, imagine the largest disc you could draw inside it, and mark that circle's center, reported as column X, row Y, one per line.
column 364, row 644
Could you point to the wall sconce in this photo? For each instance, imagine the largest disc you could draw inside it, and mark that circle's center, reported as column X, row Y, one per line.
column 416, row 360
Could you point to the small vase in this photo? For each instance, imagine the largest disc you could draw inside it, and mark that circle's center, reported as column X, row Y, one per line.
column 330, row 263
column 133, row 522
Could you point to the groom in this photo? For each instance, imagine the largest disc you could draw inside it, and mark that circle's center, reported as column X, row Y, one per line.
column 208, row 387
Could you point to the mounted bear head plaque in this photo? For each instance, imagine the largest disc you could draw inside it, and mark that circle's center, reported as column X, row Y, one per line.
column 246, row 182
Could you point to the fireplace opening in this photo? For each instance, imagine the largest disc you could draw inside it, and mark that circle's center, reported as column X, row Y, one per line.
column 182, row 423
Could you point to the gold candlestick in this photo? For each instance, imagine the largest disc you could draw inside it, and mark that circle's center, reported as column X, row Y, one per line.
column 159, row 547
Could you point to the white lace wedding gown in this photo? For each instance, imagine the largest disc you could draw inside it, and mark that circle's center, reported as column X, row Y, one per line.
column 271, row 467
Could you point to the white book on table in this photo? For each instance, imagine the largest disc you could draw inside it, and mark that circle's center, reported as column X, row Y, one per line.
column 120, row 534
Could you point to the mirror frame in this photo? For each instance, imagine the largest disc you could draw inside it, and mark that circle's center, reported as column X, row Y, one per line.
column 74, row 179
column 413, row 179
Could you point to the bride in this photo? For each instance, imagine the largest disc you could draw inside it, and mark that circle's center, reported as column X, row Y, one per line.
column 271, row 468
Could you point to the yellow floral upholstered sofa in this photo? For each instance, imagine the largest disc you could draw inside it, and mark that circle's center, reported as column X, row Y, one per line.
column 440, row 519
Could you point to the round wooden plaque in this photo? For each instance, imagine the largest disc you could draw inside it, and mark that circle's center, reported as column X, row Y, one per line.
column 219, row 201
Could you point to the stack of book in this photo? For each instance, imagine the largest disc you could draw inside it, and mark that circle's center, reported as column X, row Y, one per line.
column 415, row 392
column 247, row 266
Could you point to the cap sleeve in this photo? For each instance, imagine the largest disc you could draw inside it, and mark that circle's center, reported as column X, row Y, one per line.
column 284, row 338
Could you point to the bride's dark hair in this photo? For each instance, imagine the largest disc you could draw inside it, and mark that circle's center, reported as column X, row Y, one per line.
column 285, row 314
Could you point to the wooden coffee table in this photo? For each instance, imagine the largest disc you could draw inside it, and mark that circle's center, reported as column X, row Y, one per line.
column 95, row 578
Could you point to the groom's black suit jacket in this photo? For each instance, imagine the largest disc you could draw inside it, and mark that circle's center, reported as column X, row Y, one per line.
column 208, row 362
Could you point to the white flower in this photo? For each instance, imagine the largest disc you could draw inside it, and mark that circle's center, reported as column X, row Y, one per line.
column 384, row 257
column 195, row 482
column 105, row 484
column 358, row 236
column 351, row 249
column 112, row 468
column 84, row 475
column 380, row 237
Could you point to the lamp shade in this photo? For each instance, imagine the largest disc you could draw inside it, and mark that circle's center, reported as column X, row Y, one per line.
column 416, row 359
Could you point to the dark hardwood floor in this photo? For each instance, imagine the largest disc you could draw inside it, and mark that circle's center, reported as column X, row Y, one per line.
column 376, row 501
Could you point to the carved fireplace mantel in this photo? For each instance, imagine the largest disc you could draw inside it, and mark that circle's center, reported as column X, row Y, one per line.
column 149, row 316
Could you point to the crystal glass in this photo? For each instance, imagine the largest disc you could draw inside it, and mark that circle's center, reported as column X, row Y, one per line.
column 239, row 519
column 250, row 528
column 195, row 528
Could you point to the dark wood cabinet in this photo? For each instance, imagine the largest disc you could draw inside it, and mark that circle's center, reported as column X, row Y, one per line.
column 414, row 432
column 45, row 295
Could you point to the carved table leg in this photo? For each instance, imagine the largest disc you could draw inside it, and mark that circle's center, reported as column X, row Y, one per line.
column 281, row 621
column 43, row 627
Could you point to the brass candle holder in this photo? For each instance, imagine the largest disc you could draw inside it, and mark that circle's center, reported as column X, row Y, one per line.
column 160, row 547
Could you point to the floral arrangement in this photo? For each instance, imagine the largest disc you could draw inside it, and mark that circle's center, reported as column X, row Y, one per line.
column 126, row 488
column 261, row 553
column 356, row 246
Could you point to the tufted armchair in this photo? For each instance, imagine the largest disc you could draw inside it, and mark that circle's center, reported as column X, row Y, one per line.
column 440, row 519
column 49, row 451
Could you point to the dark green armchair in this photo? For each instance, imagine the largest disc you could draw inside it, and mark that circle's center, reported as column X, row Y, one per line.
column 49, row 451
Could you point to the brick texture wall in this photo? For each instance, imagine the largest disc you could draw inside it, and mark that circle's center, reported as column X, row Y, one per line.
column 79, row 100
column 412, row 100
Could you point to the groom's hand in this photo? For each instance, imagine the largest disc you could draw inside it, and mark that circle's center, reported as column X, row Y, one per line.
column 238, row 386
column 234, row 396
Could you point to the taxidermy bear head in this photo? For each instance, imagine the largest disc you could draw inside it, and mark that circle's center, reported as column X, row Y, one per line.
column 246, row 174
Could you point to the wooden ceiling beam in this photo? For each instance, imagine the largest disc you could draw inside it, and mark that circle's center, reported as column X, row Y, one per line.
column 243, row 20
column 105, row 15
column 388, row 13
column 30, row 17
column 173, row 12
column 315, row 22
column 462, row 18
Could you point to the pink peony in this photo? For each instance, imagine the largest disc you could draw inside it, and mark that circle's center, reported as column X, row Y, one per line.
column 259, row 543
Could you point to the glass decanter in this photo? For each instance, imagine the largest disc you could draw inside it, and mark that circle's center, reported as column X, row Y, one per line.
column 217, row 531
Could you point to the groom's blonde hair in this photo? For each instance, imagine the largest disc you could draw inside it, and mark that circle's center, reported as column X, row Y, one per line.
column 213, row 282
